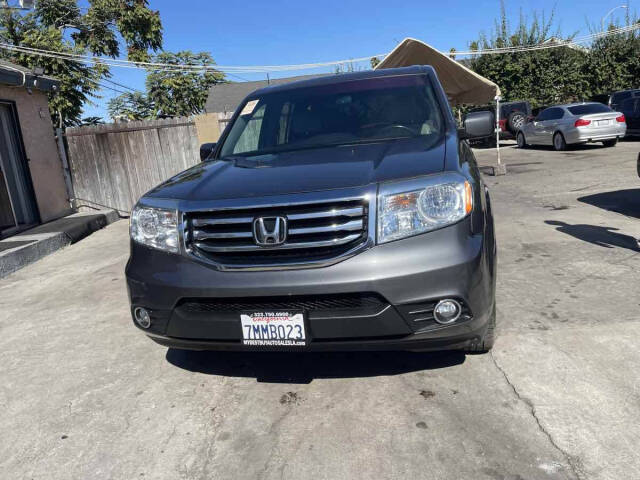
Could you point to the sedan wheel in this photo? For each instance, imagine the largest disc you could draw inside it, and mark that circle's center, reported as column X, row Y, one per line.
column 558, row 142
column 521, row 141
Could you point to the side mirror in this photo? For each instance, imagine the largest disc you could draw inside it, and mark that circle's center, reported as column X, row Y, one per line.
column 531, row 118
column 479, row 124
column 206, row 149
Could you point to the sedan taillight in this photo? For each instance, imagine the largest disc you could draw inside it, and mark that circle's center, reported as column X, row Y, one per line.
column 621, row 119
column 581, row 122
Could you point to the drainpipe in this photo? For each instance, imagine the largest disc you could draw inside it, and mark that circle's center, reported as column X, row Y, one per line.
column 65, row 168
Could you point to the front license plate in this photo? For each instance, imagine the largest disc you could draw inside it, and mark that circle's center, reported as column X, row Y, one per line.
column 277, row 329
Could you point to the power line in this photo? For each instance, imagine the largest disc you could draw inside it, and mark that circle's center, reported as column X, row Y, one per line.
column 233, row 70
column 170, row 66
column 544, row 46
column 119, row 84
column 237, row 76
column 102, row 85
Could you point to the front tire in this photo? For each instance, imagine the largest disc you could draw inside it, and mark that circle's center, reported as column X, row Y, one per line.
column 559, row 143
column 522, row 142
column 610, row 143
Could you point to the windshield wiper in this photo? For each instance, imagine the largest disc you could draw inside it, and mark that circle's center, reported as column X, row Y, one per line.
column 295, row 148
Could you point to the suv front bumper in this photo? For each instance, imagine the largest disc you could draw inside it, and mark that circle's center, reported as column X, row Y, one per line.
column 406, row 275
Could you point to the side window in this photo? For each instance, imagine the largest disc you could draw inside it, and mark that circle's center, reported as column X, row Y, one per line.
column 626, row 107
column 556, row 114
column 617, row 98
column 284, row 122
column 249, row 140
column 544, row 115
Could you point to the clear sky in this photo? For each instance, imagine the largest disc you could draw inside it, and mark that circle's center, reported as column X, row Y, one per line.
column 271, row 32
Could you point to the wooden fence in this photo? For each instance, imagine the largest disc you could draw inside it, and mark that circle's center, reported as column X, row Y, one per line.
column 113, row 165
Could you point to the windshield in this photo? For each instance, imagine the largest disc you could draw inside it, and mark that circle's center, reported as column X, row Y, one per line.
column 359, row 111
column 589, row 108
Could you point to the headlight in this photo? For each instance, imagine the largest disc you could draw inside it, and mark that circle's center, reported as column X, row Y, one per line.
column 155, row 227
column 420, row 205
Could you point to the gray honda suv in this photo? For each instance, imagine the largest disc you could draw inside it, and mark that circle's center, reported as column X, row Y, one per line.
column 345, row 212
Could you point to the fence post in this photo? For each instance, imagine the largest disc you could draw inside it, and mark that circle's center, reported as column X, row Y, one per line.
column 65, row 168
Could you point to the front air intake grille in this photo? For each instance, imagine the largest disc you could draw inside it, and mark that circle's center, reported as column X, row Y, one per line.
column 316, row 303
column 315, row 232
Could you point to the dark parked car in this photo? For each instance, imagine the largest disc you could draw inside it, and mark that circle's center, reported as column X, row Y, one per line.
column 341, row 213
column 631, row 110
column 513, row 116
column 617, row 98
column 604, row 98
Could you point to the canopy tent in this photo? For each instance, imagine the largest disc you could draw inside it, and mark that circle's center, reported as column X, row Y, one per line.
column 461, row 84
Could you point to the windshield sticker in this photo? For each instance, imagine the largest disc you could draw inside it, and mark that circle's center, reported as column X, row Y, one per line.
column 249, row 107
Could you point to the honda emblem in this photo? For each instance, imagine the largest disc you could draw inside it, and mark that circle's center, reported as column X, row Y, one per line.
column 269, row 231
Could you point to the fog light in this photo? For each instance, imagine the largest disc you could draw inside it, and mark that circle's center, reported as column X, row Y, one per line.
column 142, row 317
column 447, row 311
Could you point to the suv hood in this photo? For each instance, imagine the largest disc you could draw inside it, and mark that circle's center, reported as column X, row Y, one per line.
column 305, row 170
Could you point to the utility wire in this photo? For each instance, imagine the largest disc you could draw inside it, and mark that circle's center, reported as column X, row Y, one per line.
column 579, row 41
column 231, row 70
column 119, row 84
column 102, row 85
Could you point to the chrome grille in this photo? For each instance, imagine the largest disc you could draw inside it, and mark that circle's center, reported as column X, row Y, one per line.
column 316, row 232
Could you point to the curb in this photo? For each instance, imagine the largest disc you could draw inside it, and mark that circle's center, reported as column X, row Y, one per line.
column 32, row 245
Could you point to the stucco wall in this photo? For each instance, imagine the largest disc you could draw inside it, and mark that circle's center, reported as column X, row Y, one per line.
column 41, row 150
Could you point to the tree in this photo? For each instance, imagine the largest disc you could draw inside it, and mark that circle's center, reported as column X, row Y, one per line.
column 62, row 26
column 543, row 76
column 170, row 92
column 91, row 121
column 131, row 106
column 614, row 61
column 175, row 92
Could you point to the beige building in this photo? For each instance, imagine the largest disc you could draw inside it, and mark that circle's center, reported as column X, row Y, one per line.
column 32, row 183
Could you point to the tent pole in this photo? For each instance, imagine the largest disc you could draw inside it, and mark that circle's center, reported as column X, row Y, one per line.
column 498, row 128
column 499, row 169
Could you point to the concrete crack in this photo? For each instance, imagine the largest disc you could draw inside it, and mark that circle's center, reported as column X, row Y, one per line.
column 274, row 429
column 573, row 462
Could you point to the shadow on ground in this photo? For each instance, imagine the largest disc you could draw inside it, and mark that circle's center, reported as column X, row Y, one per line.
column 488, row 146
column 514, row 168
column 602, row 236
column 305, row 367
column 626, row 202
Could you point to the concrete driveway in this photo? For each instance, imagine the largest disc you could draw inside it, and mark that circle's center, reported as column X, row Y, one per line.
column 84, row 395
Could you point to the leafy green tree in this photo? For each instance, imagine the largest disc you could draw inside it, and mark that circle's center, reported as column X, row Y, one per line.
column 556, row 75
column 180, row 92
column 91, row 121
column 544, row 76
column 614, row 62
column 131, row 106
column 104, row 28
column 170, row 92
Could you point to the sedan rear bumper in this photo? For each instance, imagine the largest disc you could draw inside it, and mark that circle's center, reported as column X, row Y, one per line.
column 590, row 134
